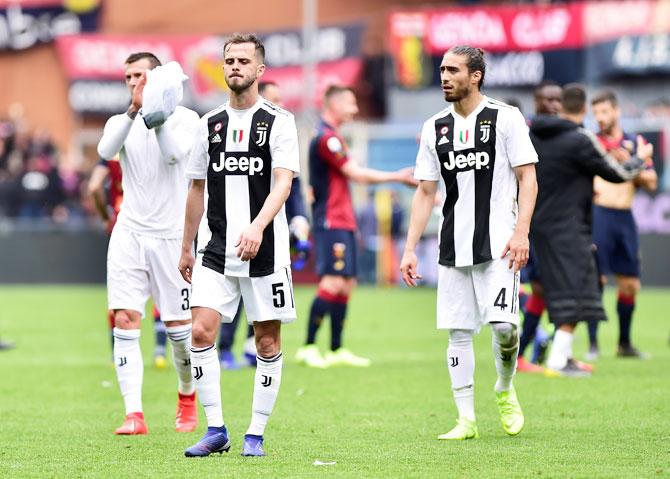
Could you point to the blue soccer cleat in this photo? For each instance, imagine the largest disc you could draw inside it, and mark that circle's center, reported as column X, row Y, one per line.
column 214, row 440
column 253, row 445
column 227, row 361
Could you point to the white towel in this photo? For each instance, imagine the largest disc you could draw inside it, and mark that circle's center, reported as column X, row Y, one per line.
column 163, row 92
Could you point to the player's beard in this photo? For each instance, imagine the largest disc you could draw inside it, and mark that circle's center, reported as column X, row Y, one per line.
column 456, row 94
column 240, row 87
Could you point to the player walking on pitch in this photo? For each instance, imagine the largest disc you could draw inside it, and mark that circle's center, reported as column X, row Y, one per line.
column 245, row 156
column 481, row 149
column 144, row 247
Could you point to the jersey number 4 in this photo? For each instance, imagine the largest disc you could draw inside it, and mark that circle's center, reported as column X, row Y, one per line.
column 500, row 300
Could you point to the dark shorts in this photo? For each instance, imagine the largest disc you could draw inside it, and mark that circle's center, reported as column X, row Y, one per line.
column 531, row 272
column 335, row 252
column 615, row 236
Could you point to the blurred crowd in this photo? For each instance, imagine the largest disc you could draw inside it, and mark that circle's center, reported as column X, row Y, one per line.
column 34, row 181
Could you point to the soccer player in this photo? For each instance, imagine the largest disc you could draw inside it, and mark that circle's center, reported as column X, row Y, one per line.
column 570, row 158
column 334, row 226
column 245, row 157
column 480, row 148
column 299, row 231
column 547, row 98
column 144, row 247
column 614, row 229
column 108, row 173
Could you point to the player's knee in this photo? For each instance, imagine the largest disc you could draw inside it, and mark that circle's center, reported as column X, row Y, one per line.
column 201, row 334
column 506, row 333
column 124, row 320
column 460, row 338
column 267, row 345
column 629, row 287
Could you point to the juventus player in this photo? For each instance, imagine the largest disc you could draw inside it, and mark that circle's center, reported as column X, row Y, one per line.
column 144, row 246
column 481, row 149
column 245, row 157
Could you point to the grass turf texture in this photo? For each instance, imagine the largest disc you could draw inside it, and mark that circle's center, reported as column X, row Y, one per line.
column 59, row 401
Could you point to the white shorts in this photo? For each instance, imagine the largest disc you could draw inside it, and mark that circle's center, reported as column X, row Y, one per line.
column 471, row 296
column 140, row 266
column 266, row 298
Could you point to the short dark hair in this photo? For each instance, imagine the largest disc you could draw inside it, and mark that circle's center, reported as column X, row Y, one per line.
column 603, row 96
column 237, row 38
column 333, row 90
column 134, row 57
column 542, row 85
column 475, row 59
column 264, row 84
column 573, row 98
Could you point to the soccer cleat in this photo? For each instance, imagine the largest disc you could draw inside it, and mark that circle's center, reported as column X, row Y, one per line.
column 571, row 369
column 227, row 360
column 214, row 440
column 6, row 345
column 310, row 356
column 511, row 415
column 524, row 366
column 628, row 351
column 344, row 357
column 250, row 359
column 593, row 354
column 464, row 429
column 160, row 362
column 133, row 425
column 187, row 414
column 589, row 368
column 253, row 445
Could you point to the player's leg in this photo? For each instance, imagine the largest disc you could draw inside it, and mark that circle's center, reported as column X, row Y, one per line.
column 532, row 313
column 496, row 289
column 268, row 302
column 250, row 347
column 628, row 287
column 161, row 340
column 457, row 314
column 128, row 291
column 215, row 298
column 172, row 297
column 226, row 339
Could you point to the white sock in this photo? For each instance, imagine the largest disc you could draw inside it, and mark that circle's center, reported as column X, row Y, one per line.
column 561, row 350
column 505, row 352
column 461, row 365
column 180, row 339
column 266, row 389
column 129, row 367
column 207, row 375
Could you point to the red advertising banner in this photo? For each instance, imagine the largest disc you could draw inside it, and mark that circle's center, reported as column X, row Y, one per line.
column 94, row 62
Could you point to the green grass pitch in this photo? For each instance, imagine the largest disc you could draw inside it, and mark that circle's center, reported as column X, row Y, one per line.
column 59, row 401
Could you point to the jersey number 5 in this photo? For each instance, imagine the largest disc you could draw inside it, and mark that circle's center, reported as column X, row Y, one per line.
column 278, row 297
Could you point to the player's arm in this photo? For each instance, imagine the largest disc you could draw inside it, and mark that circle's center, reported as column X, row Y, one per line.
column 195, row 207
column 422, row 206
column 648, row 180
column 175, row 136
column 360, row 174
column 117, row 127
column 518, row 246
column 250, row 240
column 597, row 162
column 96, row 189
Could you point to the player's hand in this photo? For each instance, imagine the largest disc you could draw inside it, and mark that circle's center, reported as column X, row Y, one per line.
column 406, row 177
column 249, row 242
column 645, row 151
column 622, row 155
column 517, row 249
column 186, row 263
column 408, row 266
column 138, row 93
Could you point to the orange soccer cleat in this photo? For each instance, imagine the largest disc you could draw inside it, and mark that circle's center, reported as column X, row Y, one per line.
column 187, row 414
column 134, row 424
column 524, row 366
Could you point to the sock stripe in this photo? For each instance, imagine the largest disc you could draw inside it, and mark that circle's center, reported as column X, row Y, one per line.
column 179, row 337
column 273, row 359
column 202, row 350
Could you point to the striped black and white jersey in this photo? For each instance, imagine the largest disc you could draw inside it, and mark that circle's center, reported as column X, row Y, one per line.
column 475, row 157
column 235, row 151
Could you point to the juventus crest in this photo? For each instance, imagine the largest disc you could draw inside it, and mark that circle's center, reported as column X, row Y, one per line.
column 261, row 133
column 485, row 130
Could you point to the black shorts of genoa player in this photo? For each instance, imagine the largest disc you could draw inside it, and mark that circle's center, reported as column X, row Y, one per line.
column 335, row 252
column 531, row 272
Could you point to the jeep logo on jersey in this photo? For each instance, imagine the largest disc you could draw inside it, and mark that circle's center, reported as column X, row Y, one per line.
column 242, row 165
column 467, row 160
